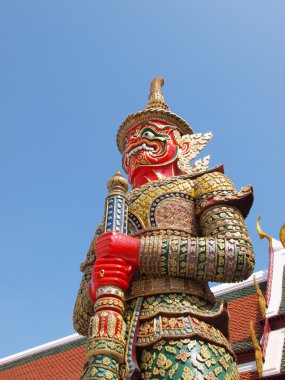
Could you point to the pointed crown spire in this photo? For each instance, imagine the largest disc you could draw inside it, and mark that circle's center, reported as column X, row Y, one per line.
column 156, row 109
column 155, row 98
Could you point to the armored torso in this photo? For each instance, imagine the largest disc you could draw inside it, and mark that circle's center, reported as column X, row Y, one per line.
column 167, row 306
column 164, row 204
column 165, row 207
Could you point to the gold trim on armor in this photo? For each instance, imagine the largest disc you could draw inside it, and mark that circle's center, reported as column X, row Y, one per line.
column 183, row 327
column 159, row 285
column 167, row 231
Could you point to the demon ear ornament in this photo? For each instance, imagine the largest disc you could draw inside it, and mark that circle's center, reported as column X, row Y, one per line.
column 197, row 142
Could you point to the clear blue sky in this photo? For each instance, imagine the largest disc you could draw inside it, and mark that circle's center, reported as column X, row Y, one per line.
column 71, row 71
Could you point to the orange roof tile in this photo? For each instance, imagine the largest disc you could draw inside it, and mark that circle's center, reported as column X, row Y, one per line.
column 242, row 311
column 65, row 365
column 249, row 376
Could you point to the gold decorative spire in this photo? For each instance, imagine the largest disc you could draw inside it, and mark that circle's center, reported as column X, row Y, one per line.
column 118, row 184
column 155, row 98
column 261, row 298
column 257, row 351
column 262, row 234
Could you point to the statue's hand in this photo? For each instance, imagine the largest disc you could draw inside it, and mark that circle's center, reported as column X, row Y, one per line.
column 117, row 259
column 115, row 244
column 110, row 271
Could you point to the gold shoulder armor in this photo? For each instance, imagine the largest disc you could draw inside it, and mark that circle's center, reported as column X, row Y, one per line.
column 213, row 182
column 216, row 188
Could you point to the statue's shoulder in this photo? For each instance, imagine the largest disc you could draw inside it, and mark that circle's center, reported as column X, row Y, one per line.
column 212, row 181
column 215, row 188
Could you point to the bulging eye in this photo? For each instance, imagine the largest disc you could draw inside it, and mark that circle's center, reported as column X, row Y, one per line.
column 148, row 134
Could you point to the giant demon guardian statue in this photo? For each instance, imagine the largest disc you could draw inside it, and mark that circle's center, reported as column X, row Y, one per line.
column 144, row 300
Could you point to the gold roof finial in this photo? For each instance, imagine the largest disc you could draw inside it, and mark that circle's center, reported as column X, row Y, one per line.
column 261, row 298
column 155, row 98
column 262, row 234
column 257, row 351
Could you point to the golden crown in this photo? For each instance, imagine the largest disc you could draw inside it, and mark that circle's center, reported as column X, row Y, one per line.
column 155, row 109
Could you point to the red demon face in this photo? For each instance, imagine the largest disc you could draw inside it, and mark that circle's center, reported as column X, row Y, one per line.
column 151, row 143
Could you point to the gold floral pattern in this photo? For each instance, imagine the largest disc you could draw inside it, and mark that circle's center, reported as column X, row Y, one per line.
column 188, row 360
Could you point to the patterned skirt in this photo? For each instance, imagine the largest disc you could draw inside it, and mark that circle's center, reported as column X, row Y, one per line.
column 178, row 336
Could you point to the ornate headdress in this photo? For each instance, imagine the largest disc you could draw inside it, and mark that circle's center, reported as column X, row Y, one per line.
column 157, row 109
